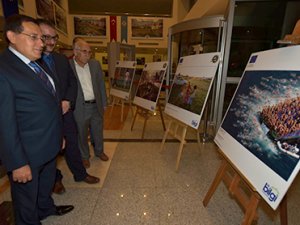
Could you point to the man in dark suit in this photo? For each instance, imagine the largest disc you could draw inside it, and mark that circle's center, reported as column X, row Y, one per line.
column 30, row 123
column 91, row 100
column 59, row 65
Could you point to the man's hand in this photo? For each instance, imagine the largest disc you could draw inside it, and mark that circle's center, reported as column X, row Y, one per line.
column 22, row 174
column 63, row 144
column 65, row 106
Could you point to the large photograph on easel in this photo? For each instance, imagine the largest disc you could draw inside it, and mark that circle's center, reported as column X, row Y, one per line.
column 150, row 84
column 122, row 81
column 191, row 86
column 261, row 129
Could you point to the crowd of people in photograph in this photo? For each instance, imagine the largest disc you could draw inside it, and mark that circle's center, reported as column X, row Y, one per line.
column 283, row 118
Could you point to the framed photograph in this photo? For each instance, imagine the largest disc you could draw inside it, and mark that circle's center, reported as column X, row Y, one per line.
column 150, row 84
column 261, row 129
column 90, row 26
column 45, row 9
column 191, row 87
column 123, row 78
column 60, row 19
column 146, row 28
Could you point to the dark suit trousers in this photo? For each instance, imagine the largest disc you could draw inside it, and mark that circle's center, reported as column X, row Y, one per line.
column 72, row 152
column 32, row 200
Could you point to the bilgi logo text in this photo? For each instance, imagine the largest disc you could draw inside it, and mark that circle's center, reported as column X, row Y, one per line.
column 271, row 192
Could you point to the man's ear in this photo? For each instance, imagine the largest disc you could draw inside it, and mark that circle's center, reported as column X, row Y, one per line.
column 11, row 36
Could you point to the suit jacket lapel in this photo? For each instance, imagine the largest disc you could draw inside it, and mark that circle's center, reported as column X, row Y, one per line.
column 26, row 70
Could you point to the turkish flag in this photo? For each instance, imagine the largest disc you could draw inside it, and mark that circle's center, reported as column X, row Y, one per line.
column 113, row 28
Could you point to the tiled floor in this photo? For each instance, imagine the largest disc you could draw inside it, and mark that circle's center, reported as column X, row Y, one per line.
column 140, row 185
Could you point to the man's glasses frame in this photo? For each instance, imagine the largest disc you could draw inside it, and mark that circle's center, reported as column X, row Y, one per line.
column 84, row 51
column 50, row 38
column 34, row 37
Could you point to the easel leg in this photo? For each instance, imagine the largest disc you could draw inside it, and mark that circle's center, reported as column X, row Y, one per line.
column 182, row 142
column 122, row 109
column 136, row 112
column 215, row 183
column 283, row 211
column 112, row 107
column 161, row 116
column 251, row 209
column 165, row 136
column 198, row 139
column 144, row 127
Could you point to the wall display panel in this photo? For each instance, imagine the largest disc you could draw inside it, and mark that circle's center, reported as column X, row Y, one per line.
column 45, row 9
column 191, row 87
column 261, row 129
column 122, row 81
column 90, row 26
column 150, row 84
column 146, row 28
column 60, row 19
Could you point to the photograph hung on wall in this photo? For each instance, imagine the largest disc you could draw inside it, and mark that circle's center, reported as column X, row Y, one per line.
column 260, row 132
column 149, row 86
column 122, row 81
column 60, row 19
column 191, row 87
column 45, row 9
column 146, row 28
column 90, row 26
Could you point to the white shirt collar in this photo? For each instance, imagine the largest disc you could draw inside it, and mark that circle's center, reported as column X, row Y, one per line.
column 19, row 55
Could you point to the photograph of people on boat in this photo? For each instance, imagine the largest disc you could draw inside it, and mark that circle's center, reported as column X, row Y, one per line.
column 122, row 79
column 264, row 117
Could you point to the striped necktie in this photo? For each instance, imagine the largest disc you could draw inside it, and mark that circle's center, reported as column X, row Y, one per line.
column 48, row 59
column 42, row 75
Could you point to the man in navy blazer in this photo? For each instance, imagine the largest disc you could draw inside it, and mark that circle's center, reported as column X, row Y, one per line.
column 59, row 65
column 30, row 123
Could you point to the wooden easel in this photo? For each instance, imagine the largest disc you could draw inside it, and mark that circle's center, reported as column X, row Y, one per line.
column 172, row 130
column 249, row 202
column 120, row 101
column 146, row 114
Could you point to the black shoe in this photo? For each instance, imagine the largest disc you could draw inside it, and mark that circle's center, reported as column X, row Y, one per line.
column 63, row 209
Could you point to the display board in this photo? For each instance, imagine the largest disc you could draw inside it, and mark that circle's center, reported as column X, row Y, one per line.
column 150, row 84
column 191, row 86
column 261, row 129
column 123, row 78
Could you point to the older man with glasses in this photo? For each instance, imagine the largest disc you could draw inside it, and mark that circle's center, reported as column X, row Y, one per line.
column 91, row 100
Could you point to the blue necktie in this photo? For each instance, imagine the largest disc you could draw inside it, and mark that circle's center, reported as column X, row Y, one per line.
column 42, row 75
column 49, row 61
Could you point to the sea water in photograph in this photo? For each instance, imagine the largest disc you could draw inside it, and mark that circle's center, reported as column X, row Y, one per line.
column 264, row 117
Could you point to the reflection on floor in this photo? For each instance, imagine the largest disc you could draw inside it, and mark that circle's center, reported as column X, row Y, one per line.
column 139, row 185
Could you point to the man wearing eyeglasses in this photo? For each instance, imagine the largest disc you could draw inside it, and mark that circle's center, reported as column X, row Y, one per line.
column 91, row 100
column 59, row 65
column 30, row 123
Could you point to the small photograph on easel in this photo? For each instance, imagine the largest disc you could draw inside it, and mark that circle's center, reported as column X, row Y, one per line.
column 123, row 78
column 189, row 93
column 150, row 84
column 260, row 132
column 191, row 87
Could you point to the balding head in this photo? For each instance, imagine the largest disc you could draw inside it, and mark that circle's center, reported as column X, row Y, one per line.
column 82, row 51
